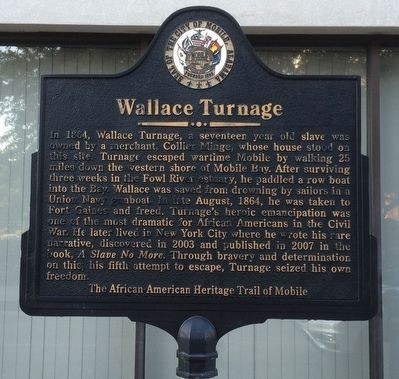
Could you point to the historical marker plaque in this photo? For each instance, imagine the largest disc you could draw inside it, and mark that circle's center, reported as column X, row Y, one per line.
column 199, row 183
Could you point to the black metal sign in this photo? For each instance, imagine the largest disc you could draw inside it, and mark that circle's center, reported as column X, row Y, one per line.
column 199, row 183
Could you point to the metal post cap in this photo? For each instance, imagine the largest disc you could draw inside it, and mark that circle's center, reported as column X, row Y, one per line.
column 196, row 352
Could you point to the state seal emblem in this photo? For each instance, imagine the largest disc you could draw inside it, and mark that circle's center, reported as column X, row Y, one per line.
column 199, row 54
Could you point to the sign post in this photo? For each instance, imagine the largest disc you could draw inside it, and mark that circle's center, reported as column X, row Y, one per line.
column 199, row 191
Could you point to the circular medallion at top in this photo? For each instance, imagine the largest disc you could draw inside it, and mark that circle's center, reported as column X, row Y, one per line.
column 199, row 54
